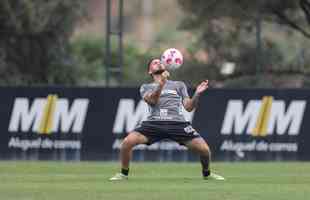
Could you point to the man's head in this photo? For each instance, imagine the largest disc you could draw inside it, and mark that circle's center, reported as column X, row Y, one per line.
column 158, row 71
column 155, row 67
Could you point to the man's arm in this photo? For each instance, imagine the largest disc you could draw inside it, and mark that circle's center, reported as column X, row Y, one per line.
column 192, row 103
column 152, row 98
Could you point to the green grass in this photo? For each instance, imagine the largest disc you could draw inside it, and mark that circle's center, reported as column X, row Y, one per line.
column 148, row 181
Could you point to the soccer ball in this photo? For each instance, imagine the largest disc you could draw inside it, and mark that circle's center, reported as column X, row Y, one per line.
column 172, row 58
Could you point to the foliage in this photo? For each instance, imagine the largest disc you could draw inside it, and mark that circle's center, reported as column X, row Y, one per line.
column 295, row 14
column 227, row 31
column 37, row 48
column 33, row 41
column 89, row 53
column 88, row 56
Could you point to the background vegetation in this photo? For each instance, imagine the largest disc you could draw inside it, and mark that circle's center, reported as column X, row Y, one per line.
column 37, row 45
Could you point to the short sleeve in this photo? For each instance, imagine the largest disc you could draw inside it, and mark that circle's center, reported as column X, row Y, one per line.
column 183, row 90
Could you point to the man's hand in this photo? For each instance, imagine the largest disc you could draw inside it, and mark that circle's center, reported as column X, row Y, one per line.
column 203, row 86
column 191, row 103
column 153, row 97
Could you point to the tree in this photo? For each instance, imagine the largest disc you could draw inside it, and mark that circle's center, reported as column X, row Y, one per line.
column 295, row 14
column 227, row 29
column 34, row 36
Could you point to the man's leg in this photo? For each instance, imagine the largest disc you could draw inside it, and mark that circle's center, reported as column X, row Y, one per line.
column 200, row 146
column 133, row 139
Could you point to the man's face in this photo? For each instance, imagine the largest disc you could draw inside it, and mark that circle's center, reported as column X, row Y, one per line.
column 156, row 67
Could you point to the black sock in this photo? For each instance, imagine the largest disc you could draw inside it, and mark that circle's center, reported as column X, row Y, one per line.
column 125, row 171
column 206, row 173
column 205, row 161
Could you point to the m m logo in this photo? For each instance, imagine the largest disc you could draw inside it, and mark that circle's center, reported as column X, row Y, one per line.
column 48, row 115
column 263, row 117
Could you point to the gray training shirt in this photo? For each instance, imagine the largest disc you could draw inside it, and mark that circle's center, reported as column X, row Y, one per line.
column 170, row 106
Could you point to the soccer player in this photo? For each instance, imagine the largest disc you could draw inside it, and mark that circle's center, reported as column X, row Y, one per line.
column 165, row 99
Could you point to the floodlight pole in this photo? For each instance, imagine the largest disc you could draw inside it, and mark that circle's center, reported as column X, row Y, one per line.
column 114, row 69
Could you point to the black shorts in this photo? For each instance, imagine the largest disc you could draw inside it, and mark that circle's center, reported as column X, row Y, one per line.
column 155, row 131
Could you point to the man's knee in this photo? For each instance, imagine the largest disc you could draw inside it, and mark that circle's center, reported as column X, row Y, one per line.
column 128, row 143
column 131, row 140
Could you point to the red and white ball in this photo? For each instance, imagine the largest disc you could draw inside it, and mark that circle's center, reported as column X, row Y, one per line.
column 172, row 58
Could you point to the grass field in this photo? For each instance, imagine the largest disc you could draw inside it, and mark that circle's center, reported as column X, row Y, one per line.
column 148, row 181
